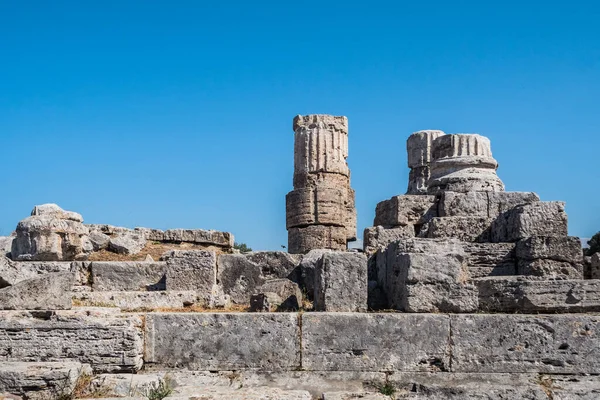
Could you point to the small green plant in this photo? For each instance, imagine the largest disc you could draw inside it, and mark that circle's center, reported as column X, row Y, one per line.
column 387, row 389
column 159, row 390
column 242, row 247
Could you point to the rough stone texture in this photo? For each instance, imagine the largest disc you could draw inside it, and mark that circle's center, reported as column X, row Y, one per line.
column 550, row 269
column 303, row 240
column 516, row 294
column 467, row 229
column 463, row 163
column 50, row 235
column 321, row 144
column 459, row 386
column 191, row 270
column 429, row 281
column 561, row 248
column 12, row 272
column 595, row 266
column 265, row 302
column 341, row 282
column 108, row 341
column 482, row 204
column 200, row 236
column 45, row 292
column 536, row 219
column 405, row 210
column 418, row 147
column 375, row 342
column 561, row 344
column 378, row 237
column 138, row 300
column 321, row 205
column 321, row 210
column 490, row 259
column 5, row 245
column 223, row 341
column 306, row 271
column 99, row 240
column 276, row 264
column 40, row 380
column 128, row 275
column 128, row 244
column 289, row 293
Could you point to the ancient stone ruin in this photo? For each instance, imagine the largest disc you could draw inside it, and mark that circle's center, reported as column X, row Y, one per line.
column 320, row 210
column 463, row 291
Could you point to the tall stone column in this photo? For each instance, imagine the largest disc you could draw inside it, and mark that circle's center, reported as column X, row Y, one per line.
column 320, row 211
column 418, row 147
column 463, row 163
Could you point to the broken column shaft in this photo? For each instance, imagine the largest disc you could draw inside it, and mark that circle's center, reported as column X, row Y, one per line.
column 320, row 210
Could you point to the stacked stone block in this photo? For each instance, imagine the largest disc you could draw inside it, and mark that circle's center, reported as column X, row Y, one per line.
column 419, row 146
column 428, row 251
column 320, row 210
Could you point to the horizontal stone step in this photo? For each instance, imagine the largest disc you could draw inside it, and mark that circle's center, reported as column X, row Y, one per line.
column 40, row 379
column 104, row 338
column 138, row 300
column 223, row 341
column 528, row 295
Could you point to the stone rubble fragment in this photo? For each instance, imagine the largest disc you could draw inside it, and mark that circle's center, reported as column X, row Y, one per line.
column 46, row 292
column 50, row 234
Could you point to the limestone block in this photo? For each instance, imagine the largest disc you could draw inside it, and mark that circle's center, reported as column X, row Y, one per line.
column 321, row 144
column 105, row 339
column 378, row 237
column 472, row 386
column 241, row 275
column 109, row 230
column 501, row 343
column 276, row 264
column 550, row 269
column 405, row 210
column 536, row 219
column 516, row 294
column 490, row 259
column 466, row 229
column 200, row 236
column 430, row 246
column 341, row 282
column 559, row 248
column 288, row 292
column 306, row 271
column 303, row 240
column 128, row 275
column 155, row 235
column 48, row 238
column 321, row 205
column 40, row 380
column 45, row 292
column 99, row 240
column 463, row 163
column 139, row 300
column 265, row 302
column 222, row 341
column 595, row 266
column 419, row 146
column 428, row 282
column 131, row 243
column 482, row 204
column 191, row 270
column 12, row 272
column 53, row 210
column 375, row 342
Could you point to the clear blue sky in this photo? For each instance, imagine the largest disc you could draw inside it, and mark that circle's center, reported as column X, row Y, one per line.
column 178, row 114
